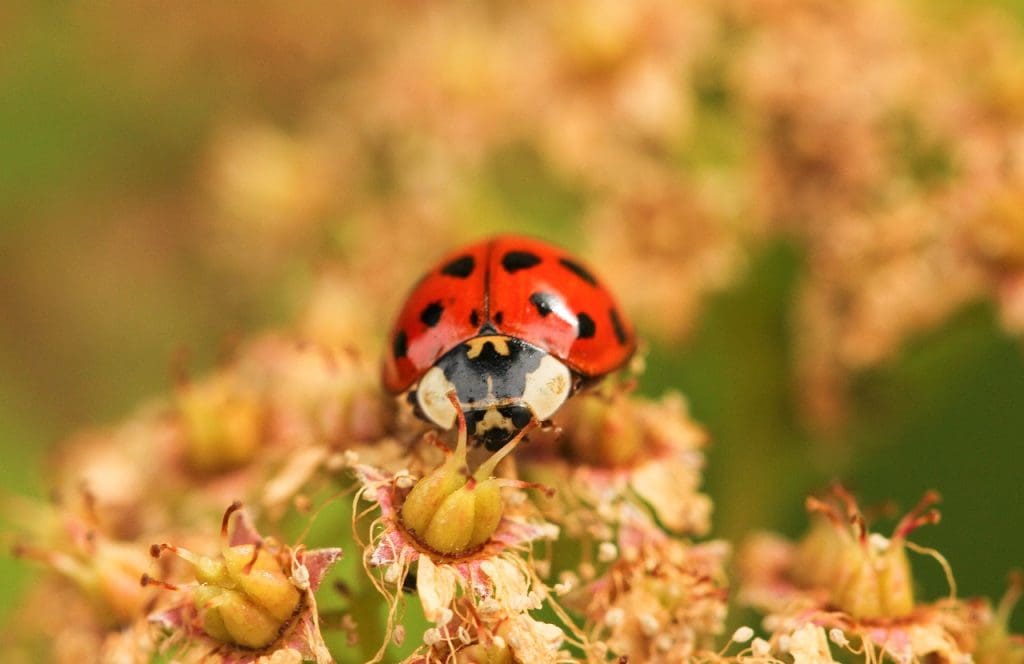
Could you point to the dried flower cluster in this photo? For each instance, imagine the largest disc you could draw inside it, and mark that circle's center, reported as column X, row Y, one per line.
column 283, row 422
column 503, row 567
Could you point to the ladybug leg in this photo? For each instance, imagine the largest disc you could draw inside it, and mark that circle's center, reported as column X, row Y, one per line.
column 549, row 425
column 435, row 440
column 630, row 385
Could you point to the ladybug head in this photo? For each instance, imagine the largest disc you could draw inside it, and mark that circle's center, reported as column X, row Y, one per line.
column 501, row 383
column 494, row 426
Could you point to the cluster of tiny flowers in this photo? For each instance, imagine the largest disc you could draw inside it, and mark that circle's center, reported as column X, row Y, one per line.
column 260, row 430
column 485, row 546
column 573, row 543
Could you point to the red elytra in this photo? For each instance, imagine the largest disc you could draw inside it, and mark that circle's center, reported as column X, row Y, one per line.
column 509, row 285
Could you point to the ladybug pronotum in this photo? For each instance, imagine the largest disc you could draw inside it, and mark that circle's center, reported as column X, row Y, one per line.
column 513, row 326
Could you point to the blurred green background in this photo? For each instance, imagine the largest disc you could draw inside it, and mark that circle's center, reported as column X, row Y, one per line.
column 104, row 275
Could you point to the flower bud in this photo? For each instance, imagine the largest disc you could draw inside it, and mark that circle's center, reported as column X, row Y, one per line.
column 487, row 512
column 451, row 525
column 494, row 653
column 602, row 431
column 223, row 424
column 247, row 598
column 996, row 644
column 427, row 495
column 105, row 570
column 244, row 597
column 867, row 574
column 451, row 513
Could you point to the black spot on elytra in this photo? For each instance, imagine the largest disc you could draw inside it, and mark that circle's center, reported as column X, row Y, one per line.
column 620, row 332
column 586, row 326
column 499, row 318
column 577, row 269
column 514, row 261
column 461, row 267
column 399, row 348
column 431, row 314
column 474, row 318
column 545, row 302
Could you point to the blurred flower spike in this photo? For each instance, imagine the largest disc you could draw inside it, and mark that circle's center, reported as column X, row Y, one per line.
column 255, row 600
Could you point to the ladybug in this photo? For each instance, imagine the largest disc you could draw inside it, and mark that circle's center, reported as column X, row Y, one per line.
column 514, row 326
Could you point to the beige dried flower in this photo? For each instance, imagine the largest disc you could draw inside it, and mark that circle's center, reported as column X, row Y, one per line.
column 660, row 600
column 608, row 449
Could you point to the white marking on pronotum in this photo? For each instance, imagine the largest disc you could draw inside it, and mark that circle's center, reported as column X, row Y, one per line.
column 432, row 395
column 547, row 387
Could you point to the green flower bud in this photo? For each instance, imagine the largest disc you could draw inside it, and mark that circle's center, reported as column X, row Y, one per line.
column 244, row 597
column 494, row 653
column 451, row 513
column 487, row 512
column 868, row 575
column 602, row 430
column 222, row 423
column 231, row 617
column 247, row 598
column 451, row 526
column 428, row 494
